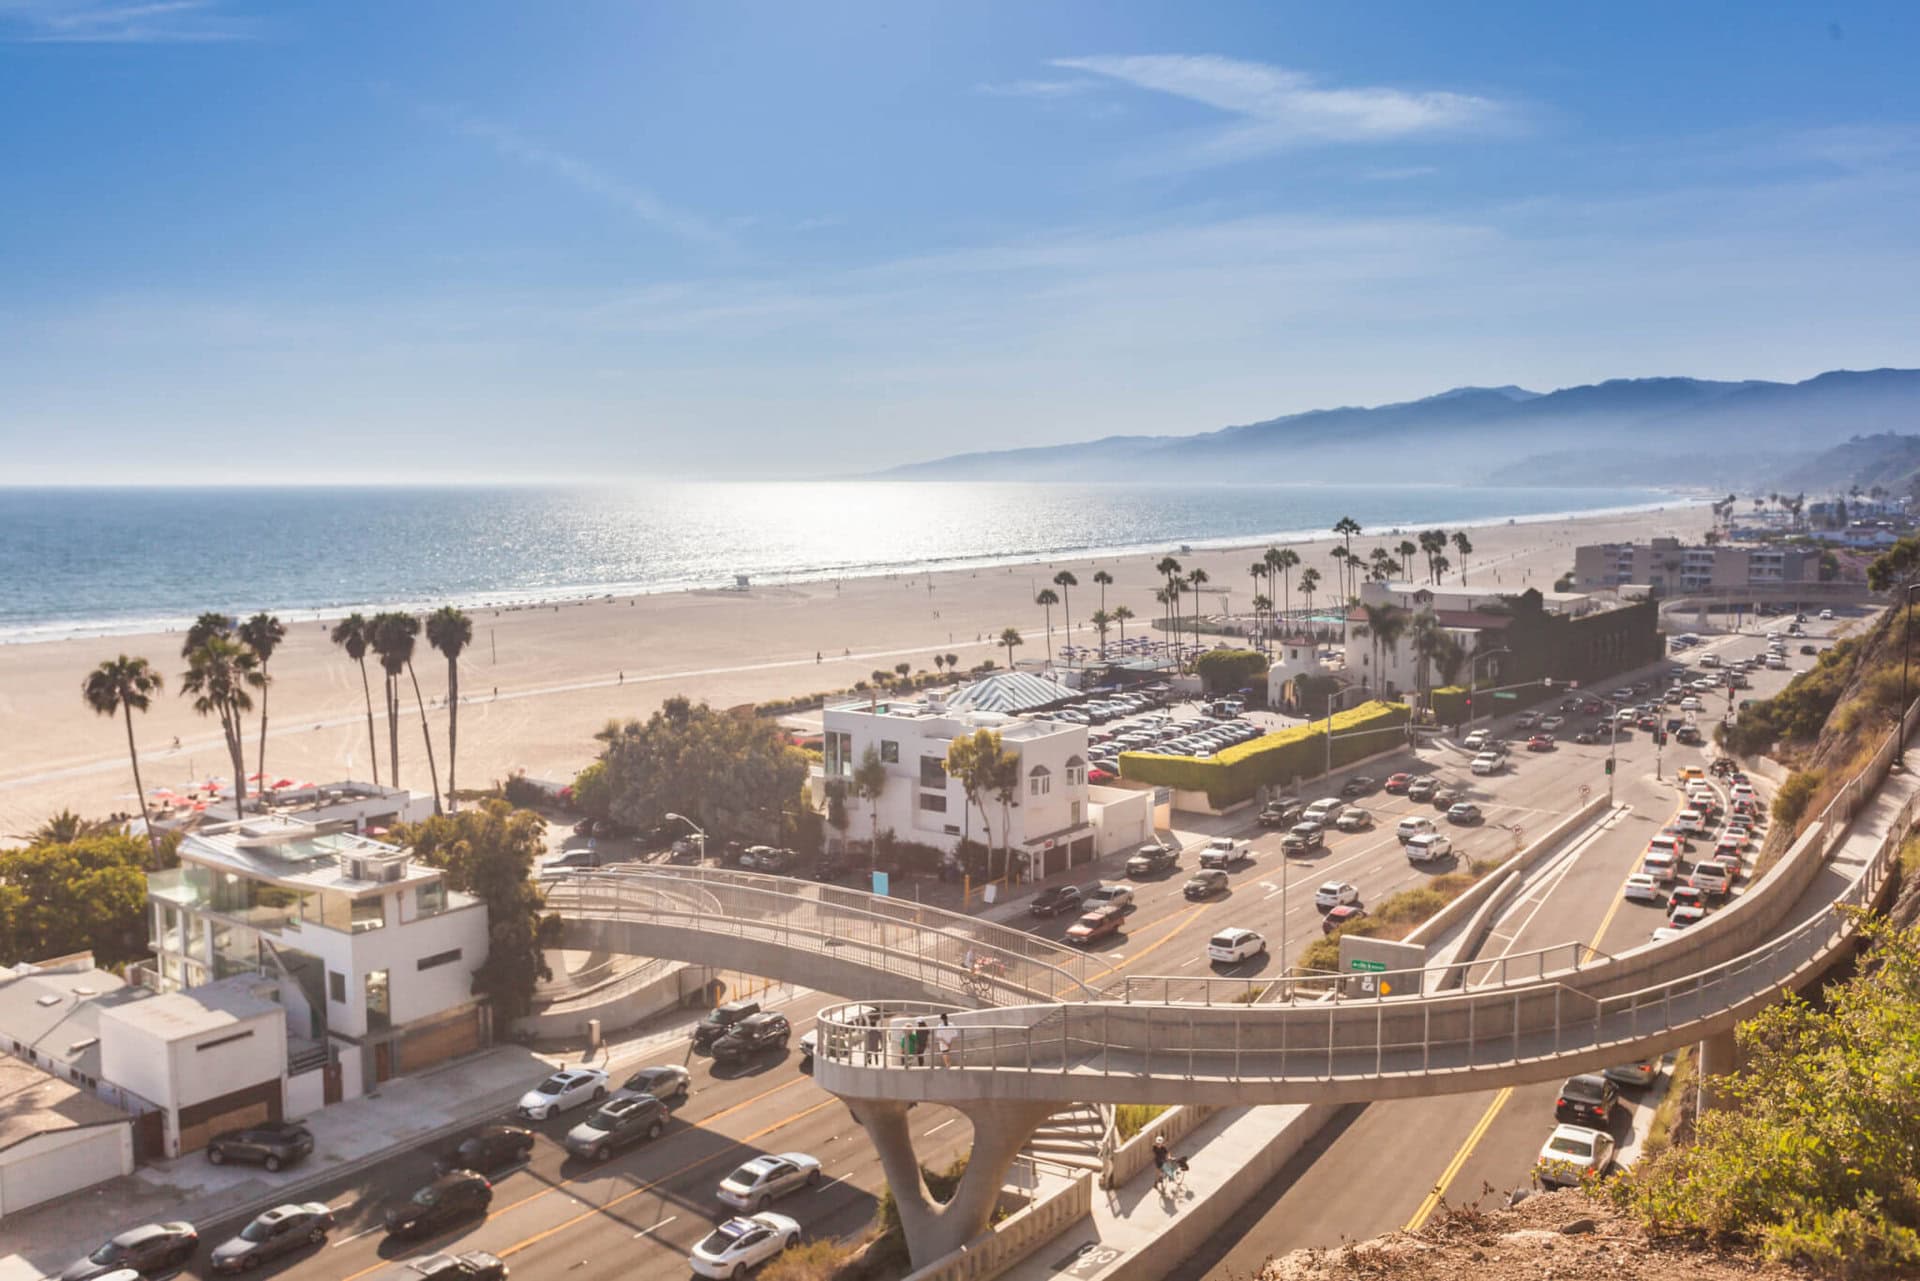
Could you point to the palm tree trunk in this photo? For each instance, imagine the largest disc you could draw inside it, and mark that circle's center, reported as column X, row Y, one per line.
column 433, row 771
column 265, row 689
column 373, row 739
column 234, row 731
column 393, row 728
column 453, row 726
column 153, row 842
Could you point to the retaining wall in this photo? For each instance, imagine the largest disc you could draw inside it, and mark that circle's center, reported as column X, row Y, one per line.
column 1136, row 1154
column 1013, row 1238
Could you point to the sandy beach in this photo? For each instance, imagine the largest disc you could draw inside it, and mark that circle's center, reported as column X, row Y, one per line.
column 539, row 680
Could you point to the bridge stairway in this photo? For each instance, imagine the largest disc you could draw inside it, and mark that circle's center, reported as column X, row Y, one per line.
column 1074, row 1136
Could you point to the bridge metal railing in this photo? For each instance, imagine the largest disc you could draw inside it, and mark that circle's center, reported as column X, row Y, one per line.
column 1517, row 969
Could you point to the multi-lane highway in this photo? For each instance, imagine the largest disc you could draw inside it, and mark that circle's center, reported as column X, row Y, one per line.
column 640, row 1212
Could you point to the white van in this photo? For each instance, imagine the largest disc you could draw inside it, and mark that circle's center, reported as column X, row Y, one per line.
column 1428, row 846
column 1323, row 810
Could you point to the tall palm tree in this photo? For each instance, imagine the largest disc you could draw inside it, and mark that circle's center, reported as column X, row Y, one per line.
column 1380, row 565
column 939, row 662
column 1254, row 572
column 386, row 634
column 1338, row 556
column 1440, row 567
column 403, row 634
column 262, row 634
column 1065, row 580
column 450, row 631
column 204, row 629
column 1047, row 600
column 1010, row 637
column 1262, row 608
column 1347, row 527
column 219, row 674
column 1105, row 580
column 1102, row 624
column 1432, row 543
column 1175, row 590
column 123, row 686
column 1406, row 550
column 1121, row 614
column 1427, row 635
column 1388, row 628
column 1309, row 581
column 1199, row 579
column 1286, row 560
column 1462, row 545
column 354, row 634
column 1169, row 569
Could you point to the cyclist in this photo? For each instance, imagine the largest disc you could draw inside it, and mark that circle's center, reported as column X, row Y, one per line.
column 1160, row 1170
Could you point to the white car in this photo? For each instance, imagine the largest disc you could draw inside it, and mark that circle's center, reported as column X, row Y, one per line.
column 1743, row 791
column 1691, row 822
column 1826, row 614
column 1428, row 846
column 1475, row 741
column 1664, row 933
column 1570, row 1152
column 1322, row 810
column 740, row 1245
column 1235, row 945
column 566, row 1089
column 1689, row 704
column 1551, row 723
column 761, row 1181
column 1642, row 888
column 1488, row 763
column 1335, row 894
column 1353, row 819
column 1119, row 896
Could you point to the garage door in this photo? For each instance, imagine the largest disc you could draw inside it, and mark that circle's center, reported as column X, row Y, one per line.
column 1081, row 851
column 425, row 1047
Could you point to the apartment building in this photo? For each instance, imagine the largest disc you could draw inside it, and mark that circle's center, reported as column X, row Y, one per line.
column 1671, row 568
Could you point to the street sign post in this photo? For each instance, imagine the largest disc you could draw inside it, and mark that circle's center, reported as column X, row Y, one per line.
column 1507, row 694
column 1368, row 967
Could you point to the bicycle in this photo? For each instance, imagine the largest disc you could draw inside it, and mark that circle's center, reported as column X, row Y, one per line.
column 1172, row 1177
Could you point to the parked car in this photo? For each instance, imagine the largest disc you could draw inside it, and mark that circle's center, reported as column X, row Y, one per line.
column 719, row 1019
column 565, row 1090
column 667, row 1082
column 494, row 1148
column 1341, row 916
column 1119, row 896
column 1304, row 837
column 753, row 1035
column 1233, row 945
column 740, row 1245
column 273, row 1144
column 448, row 1199
column 765, row 1179
column 618, row 1123
column 1097, row 924
column 1359, row 785
column 468, row 1265
column 1354, row 819
column 1571, row 1152
column 1464, row 813
column 149, row 1250
column 1056, row 901
column 1204, row 884
column 1586, row 1099
column 1332, row 894
column 272, row 1233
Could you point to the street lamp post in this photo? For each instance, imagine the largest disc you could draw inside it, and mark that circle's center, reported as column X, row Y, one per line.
column 699, row 833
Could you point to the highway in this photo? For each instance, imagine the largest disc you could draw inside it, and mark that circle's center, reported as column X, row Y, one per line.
column 641, row 1211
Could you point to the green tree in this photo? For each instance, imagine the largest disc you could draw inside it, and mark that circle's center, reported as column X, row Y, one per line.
column 1169, row 569
column 1406, row 549
column 1104, row 580
column 219, row 674
column 1197, row 579
column 1102, row 624
column 734, row 775
column 870, row 784
column 1010, row 637
column 1047, row 600
column 262, row 634
column 120, row 687
column 204, row 629
column 1121, row 614
column 976, row 762
column 67, row 827
column 450, row 631
column 1896, row 567
column 386, row 632
column 1286, row 560
column 354, row 635
column 1065, row 581
column 592, row 792
column 61, row 897
column 490, row 852
column 1347, row 527
column 1309, row 583
column 1463, row 545
column 1262, row 610
column 1229, row 670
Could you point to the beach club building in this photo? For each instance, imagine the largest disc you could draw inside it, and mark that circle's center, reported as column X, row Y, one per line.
column 1056, row 820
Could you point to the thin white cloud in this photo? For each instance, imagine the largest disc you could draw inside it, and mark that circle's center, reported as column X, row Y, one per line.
column 92, row 22
column 1037, row 88
column 1276, row 107
column 579, row 174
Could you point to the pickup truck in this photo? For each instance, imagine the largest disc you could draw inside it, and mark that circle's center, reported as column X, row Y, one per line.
column 1224, row 851
column 1152, row 858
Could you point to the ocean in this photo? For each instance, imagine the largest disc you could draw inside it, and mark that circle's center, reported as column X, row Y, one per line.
column 77, row 561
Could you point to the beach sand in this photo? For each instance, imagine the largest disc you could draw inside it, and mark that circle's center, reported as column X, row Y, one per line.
column 561, row 671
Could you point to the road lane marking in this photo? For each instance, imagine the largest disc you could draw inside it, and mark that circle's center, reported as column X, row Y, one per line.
column 378, row 1227
column 1447, row 1176
column 656, row 1227
column 943, row 1125
column 1172, row 933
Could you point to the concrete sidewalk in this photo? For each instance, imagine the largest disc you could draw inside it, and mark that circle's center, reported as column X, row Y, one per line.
column 404, row 1113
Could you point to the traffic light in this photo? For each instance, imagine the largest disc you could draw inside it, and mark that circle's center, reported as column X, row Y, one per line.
column 1469, row 702
column 1609, row 764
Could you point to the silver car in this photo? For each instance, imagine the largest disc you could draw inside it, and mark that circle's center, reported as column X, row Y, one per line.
column 765, row 1179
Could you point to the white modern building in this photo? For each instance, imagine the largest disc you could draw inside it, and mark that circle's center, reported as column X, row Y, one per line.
column 370, row 954
column 368, row 809
column 1056, row 819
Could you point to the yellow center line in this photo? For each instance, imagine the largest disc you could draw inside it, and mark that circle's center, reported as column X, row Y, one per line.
column 1452, row 1171
column 1184, row 920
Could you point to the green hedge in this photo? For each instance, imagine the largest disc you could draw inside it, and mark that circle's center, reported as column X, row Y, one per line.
column 1237, row 773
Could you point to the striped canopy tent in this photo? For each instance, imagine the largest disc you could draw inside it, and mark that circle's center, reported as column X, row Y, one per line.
column 1010, row 692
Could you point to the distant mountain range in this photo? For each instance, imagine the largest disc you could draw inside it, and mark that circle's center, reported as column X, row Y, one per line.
column 1624, row 431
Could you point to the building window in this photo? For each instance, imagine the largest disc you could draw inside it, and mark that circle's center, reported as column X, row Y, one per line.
column 889, row 751
column 836, row 753
column 933, row 772
column 933, row 802
column 369, row 914
column 438, row 959
column 336, row 987
column 1040, row 781
column 1076, row 771
column 430, row 899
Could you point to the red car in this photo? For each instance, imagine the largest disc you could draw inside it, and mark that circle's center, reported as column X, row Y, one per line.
column 1397, row 784
column 1341, row 915
column 1097, row 924
column 1591, row 708
column 1540, row 743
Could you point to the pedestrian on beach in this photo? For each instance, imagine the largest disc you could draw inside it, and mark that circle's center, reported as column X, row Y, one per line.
column 943, row 1038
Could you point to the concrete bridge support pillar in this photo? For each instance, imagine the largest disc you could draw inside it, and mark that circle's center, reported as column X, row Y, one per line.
column 933, row 1230
column 1718, row 1056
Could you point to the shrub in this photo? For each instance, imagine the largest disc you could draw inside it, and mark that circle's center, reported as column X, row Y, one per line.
column 1790, row 802
column 1131, row 1118
column 819, row 1260
column 1228, row 670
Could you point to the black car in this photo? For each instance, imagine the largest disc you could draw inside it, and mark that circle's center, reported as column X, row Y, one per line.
column 752, row 1035
column 1586, row 737
column 151, row 1250
column 667, row 1082
column 275, row 1232
column 273, row 1145
column 719, row 1019
column 1151, row 859
column 1282, row 811
column 1359, row 785
column 470, row 1265
column 620, row 1123
column 449, row 1198
column 1587, row 1099
column 1061, row 900
column 495, row 1148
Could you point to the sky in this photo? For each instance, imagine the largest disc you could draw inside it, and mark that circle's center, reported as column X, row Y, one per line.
column 472, row 240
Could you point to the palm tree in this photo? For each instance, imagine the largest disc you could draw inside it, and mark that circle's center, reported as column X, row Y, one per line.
column 204, row 629
column 1169, row 569
column 218, row 676
column 1388, row 628
column 1309, row 580
column 1064, row 580
column 1347, row 528
column 953, row 662
column 1462, row 545
column 1286, row 560
column 1432, row 543
column 387, row 636
column 1010, row 637
column 1380, row 564
column 1339, row 557
column 1262, row 607
column 406, row 631
column 262, row 634
column 1406, row 550
column 1047, row 599
column 123, row 686
column 1121, row 614
column 450, row 631
column 1199, row 579
column 939, row 662
column 1102, row 624
column 1105, row 580
column 1440, row 567
column 66, row 827
column 354, row 635
column 1254, row 571
column 1175, row 590
column 1427, row 636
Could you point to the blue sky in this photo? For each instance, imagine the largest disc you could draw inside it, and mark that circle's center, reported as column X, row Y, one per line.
column 470, row 239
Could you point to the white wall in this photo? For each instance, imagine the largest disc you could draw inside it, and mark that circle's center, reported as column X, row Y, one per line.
column 176, row 1074
column 306, row 1093
column 397, row 948
column 1122, row 819
column 50, row 1165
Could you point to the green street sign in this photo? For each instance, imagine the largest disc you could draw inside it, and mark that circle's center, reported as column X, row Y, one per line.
column 1505, row 693
column 1370, row 967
